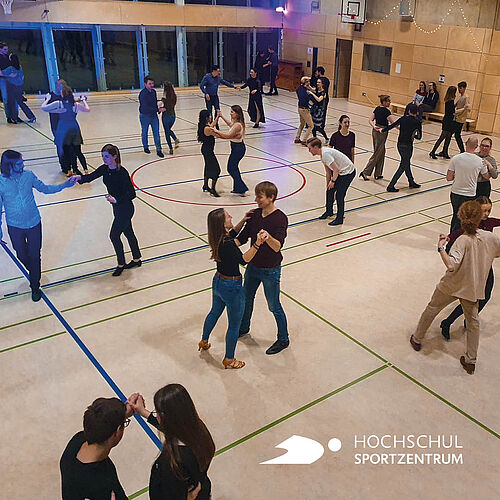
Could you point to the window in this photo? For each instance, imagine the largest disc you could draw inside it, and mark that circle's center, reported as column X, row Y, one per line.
column 263, row 4
column 162, row 56
column 27, row 46
column 75, row 59
column 235, row 55
column 234, row 3
column 120, row 59
column 377, row 58
column 200, row 54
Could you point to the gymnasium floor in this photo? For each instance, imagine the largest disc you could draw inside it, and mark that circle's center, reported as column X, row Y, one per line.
column 352, row 295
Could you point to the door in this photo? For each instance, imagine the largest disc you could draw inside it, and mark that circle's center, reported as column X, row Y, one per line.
column 342, row 68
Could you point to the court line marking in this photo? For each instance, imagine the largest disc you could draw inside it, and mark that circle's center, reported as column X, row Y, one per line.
column 86, row 351
column 348, row 239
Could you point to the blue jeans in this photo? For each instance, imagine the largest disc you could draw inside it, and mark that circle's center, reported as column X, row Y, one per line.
column 213, row 103
column 146, row 121
column 270, row 278
column 3, row 92
column 226, row 293
column 168, row 123
column 238, row 150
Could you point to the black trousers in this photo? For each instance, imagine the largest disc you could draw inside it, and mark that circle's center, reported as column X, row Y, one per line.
column 122, row 224
column 339, row 192
column 483, row 189
column 15, row 99
column 456, row 202
column 457, row 131
column 405, row 151
column 274, row 74
column 28, row 244
column 446, row 137
column 458, row 311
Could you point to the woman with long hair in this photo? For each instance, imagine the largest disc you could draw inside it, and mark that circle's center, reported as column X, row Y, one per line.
column 418, row 98
column 447, row 126
column 121, row 192
column 318, row 109
column 487, row 224
column 380, row 118
column 167, row 108
column 344, row 140
column 236, row 135
column 68, row 137
column 180, row 471
column 206, row 136
column 255, row 106
column 227, row 289
column 467, row 267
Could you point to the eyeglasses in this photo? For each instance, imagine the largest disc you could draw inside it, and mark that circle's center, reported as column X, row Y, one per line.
column 125, row 424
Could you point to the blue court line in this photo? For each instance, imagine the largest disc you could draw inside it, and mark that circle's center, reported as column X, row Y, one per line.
column 87, row 352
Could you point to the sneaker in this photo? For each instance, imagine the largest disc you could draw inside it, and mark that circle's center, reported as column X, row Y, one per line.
column 278, row 346
column 325, row 215
column 336, row 222
column 32, row 120
column 36, row 295
column 392, row 189
column 160, row 154
column 147, row 150
column 468, row 367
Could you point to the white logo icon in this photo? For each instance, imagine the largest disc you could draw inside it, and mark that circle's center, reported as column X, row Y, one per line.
column 302, row 450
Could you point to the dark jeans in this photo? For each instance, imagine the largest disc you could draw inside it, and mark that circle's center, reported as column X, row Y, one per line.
column 15, row 99
column 168, row 123
column 226, row 293
column 456, row 202
column 28, row 244
column 405, row 151
column 270, row 278
column 457, row 131
column 339, row 191
column 321, row 130
column 274, row 74
column 122, row 223
column 213, row 103
column 458, row 311
column 446, row 137
column 483, row 189
column 146, row 121
column 238, row 150
column 68, row 157
column 5, row 98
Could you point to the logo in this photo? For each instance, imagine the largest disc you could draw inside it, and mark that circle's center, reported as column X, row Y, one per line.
column 302, row 450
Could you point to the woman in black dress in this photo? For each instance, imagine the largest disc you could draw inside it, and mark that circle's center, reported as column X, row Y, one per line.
column 447, row 128
column 180, row 471
column 121, row 192
column 255, row 106
column 318, row 110
column 207, row 138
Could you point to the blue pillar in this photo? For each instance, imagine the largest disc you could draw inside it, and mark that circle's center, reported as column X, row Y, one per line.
column 100, row 71
column 221, row 52
column 182, row 68
column 49, row 49
column 140, row 59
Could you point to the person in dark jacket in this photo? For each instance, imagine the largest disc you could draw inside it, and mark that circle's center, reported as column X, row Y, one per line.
column 447, row 126
column 262, row 72
column 148, row 115
column 255, row 106
column 180, row 471
column 121, row 192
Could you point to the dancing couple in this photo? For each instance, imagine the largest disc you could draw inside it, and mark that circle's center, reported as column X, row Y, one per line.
column 266, row 228
column 207, row 132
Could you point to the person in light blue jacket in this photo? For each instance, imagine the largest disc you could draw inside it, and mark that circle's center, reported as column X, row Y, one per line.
column 21, row 213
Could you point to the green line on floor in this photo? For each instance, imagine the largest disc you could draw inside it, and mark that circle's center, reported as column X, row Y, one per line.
column 32, row 342
column 138, row 493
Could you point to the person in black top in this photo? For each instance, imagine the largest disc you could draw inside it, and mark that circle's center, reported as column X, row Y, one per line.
column 121, row 192
column 55, row 96
column 344, row 140
column 206, row 136
column 409, row 128
column 272, row 62
column 148, row 115
column 227, row 291
column 262, row 72
column 180, row 471
column 430, row 100
column 255, row 106
column 380, row 118
column 318, row 109
column 167, row 109
column 320, row 73
column 87, row 472
column 447, row 126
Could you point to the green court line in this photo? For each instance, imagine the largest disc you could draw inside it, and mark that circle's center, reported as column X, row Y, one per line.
column 286, row 417
column 138, row 493
column 31, row 342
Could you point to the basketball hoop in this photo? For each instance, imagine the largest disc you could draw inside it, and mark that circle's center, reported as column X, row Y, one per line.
column 7, row 6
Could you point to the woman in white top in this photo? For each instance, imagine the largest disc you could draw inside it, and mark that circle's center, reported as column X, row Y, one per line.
column 236, row 135
column 340, row 172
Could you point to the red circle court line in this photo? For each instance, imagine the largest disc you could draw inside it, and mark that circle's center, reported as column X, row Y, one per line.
column 349, row 239
column 215, row 204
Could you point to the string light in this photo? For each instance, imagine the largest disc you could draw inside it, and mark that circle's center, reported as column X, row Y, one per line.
column 386, row 16
column 439, row 26
column 469, row 28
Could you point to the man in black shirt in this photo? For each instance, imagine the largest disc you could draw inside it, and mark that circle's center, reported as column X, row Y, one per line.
column 148, row 115
column 87, row 472
column 409, row 128
column 272, row 61
column 54, row 96
column 5, row 62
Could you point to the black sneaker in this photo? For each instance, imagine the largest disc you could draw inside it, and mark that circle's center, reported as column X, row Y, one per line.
column 278, row 346
column 336, row 222
column 147, row 150
column 132, row 264
column 36, row 295
column 325, row 215
column 414, row 185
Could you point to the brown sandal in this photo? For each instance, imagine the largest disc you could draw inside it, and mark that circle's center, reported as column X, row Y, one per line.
column 203, row 345
column 232, row 363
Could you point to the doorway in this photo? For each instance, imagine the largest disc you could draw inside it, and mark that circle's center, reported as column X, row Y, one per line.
column 343, row 55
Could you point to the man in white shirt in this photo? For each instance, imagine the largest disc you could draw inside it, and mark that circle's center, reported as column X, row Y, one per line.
column 463, row 171
column 339, row 171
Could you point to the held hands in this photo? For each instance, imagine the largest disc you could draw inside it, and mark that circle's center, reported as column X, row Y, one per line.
column 262, row 236
column 253, row 91
column 136, row 404
column 110, row 198
column 219, row 113
column 72, row 180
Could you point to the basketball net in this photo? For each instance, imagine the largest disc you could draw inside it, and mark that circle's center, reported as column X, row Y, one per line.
column 7, row 6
